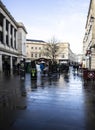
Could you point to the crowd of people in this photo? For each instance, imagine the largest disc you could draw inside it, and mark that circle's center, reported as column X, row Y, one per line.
column 45, row 68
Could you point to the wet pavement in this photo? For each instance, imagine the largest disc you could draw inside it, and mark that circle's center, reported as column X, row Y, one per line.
column 60, row 102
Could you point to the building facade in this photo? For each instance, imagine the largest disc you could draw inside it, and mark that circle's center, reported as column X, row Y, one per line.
column 65, row 54
column 34, row 50
column 12, row 39
column 89, row 38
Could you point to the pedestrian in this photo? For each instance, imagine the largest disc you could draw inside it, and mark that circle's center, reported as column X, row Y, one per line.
column 38, row 67
column 42, row 66
column 33, row 70
column 22, row 70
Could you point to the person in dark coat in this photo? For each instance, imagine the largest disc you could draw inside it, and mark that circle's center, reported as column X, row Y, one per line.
column 33, row 70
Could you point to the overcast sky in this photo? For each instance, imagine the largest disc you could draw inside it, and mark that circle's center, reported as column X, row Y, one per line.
column 63, row 19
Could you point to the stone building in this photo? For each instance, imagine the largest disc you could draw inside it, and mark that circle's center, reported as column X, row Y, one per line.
column 34, row 50
column 89, row 38
column 12, row 39
column 65, row 54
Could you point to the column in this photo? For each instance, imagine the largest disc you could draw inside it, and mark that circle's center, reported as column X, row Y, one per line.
column 16, row 41
column 11, row 64
column 13, row 36
column 9, row 40
column 1, row 67
column 4, row 31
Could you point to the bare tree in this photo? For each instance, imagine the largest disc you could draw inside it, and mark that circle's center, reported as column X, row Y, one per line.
column 51, row 49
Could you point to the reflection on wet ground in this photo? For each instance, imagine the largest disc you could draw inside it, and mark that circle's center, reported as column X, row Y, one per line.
column 58, row 102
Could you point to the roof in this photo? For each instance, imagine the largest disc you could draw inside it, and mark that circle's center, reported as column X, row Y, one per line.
column 7, row 12
column 21, row 25
column 33, row 40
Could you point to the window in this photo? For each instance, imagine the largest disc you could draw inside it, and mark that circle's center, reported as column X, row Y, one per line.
column 1, row 37
column 31, row 54
column 7, row 40
column 15, row 43
column 15, row 33
column 11, row 29
column 63, row 56
column 1, row 19
column 11, row 42
column 39, row 48
column 36, row 48
column 39, row 55
column 31, row 47
column 36, row 55
column 7, row 23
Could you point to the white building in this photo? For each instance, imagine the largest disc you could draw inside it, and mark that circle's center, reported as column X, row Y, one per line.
column 65, row 54
column 35, row 49
column 89, row 38
column 21, row 34
column 12, row 39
